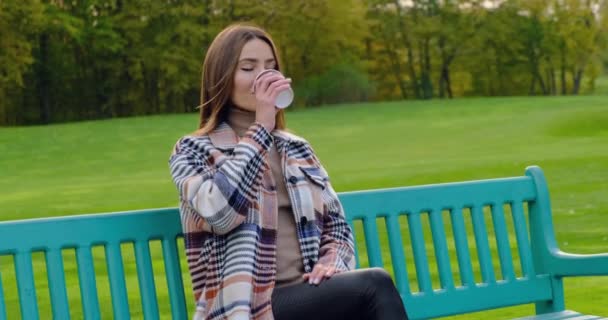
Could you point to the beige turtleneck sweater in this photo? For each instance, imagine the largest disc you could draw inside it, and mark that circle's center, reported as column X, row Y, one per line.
column 290, row 267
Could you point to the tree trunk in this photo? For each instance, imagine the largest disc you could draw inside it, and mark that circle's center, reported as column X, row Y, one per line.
column 491, row 87
column 533, row 86
column 231, row 11
column 412, row 71
column 577, row 76
column 396, row 68
column 427, row 84
column 551, row 79
column 541, row 81
column 44, row 80
column 442, row 88
column 410, row 52
column 499, row 70
column 444, row 76
column 447, row 80
column 151, row 91
column 101, row 97
column 398, row 77
column 444, row 82
column 564, row 85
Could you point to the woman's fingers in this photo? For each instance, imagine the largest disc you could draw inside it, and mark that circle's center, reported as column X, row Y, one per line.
column 272, row 87
column 267, row 97
column 265, row 80
column 319, row 272
column 276, row 90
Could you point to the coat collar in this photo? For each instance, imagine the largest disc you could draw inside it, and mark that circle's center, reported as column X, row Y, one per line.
column 223, row 137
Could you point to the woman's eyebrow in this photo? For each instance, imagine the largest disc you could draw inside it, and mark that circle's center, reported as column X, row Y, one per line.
column 255, row 60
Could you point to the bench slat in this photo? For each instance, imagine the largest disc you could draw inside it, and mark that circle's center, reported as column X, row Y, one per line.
column 420, row 259
column 93, row 229
column 88, row 285
column 174, row 279
column 145, row 275
column 566, row 314
column 395, row 242
column 465, row 300
column 57, row 286
column 441, row 249
column 2, row 306
column 586, row 317
column 523, row 241
column 25, row 285
column 502, row 241
column 460, row 194
column 483, row 247
column 374, row 252
column 351, row 223
column 462, row 248
column 116, row 277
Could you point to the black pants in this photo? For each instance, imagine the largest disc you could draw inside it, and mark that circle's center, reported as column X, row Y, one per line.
column 365, row 294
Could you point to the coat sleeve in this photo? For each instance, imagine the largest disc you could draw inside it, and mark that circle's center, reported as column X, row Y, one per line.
column 337, row 242
column 220, row 196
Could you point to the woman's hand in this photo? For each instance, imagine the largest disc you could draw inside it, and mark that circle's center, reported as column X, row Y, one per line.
column 319, row 273
column 267, row 88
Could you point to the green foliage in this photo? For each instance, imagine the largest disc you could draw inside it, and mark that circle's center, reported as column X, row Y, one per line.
column 342, row 83
column 511, row 47
column 18, row 21
column 93, row 59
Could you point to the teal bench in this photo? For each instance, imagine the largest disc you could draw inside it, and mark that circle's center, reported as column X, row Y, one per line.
column 486, row 226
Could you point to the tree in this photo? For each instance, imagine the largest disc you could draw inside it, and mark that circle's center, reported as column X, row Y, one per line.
column 18, row 21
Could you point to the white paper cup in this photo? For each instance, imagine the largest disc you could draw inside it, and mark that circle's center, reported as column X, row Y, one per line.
column 284, row 98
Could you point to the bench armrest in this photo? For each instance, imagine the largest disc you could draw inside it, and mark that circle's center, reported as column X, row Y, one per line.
column 573, row 265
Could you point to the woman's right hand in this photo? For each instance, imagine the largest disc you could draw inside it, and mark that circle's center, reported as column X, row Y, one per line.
column 267, row 88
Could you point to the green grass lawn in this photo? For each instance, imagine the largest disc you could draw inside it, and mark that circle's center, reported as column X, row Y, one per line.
column 121, row 164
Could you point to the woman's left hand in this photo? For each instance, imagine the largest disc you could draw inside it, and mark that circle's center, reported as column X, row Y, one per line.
column 319, row 273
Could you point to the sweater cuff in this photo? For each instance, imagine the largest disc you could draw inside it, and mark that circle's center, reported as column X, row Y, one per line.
column 259, row 135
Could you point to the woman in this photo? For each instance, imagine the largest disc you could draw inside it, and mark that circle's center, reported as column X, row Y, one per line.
column 265, row 233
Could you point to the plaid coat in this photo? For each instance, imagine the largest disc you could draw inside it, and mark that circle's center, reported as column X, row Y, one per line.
column 228, row 208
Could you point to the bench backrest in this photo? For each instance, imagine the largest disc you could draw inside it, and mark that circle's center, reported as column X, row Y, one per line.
column 493, row 207
column 54, row 236
column 415, row 218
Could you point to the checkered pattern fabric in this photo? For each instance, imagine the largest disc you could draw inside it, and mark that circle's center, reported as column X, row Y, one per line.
column 229, row 217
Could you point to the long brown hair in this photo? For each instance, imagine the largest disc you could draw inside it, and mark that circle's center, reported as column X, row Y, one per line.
column 219, row 68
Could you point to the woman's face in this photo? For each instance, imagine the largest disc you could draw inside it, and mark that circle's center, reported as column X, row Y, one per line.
column 255, row 57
